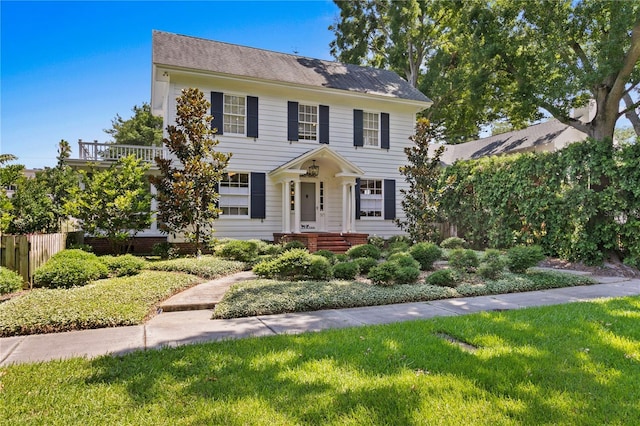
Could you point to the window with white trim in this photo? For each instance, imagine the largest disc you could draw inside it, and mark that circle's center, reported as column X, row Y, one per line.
column 371, row 128
column 235, row 112
column 371, row 200
column 234, row 194
column 307, row 122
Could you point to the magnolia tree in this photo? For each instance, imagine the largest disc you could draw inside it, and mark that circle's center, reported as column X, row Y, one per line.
column 187, row 185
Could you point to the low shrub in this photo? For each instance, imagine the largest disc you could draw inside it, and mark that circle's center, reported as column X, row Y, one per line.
column 10, row 281
column 376, row 241
column 295, row 264
column 239, row 250
column 346, row 270
column 404, row 260
column 70, row 268
column 492, row 265
column 426, row 254
column 463, row 260
column 81, row 246
column 631, row 261
column 364, row 250
column 453, row 243
column 399, row 239
column 341, row 258
column 327, row 254
column 124, row 265
column 442, row 278
column 397, row 247
column 294, row 245
column 165, row 250
column 365, row 264
column 521, row 258
column 319, row 268
column 407, row 275
column 384, row 274
column 266, row 247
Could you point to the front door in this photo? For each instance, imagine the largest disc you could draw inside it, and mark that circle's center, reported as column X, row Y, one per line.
column 308, row 207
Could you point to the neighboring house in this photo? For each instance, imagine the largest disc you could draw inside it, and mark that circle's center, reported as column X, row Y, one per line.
column 550, row 135
column 316, row 144
column 28, row 173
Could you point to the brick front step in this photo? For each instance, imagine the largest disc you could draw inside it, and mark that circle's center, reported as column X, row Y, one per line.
column 335, row 242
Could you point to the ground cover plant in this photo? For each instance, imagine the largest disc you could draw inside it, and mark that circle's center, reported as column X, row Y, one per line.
column 103, row 303
column 567, row 364
column 209, row 267
column 264, row 296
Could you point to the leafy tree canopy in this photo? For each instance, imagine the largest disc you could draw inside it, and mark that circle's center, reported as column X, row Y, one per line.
column 143, row 128
column 481, row 61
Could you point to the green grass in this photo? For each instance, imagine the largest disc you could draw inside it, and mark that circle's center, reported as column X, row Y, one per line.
column 568, row 364
column 103, row 303
column 209, row 267
column 262, row 297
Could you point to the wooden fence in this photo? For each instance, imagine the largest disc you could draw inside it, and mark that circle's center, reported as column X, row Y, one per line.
column 25, row 253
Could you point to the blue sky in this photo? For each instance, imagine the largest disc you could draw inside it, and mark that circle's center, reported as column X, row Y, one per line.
column 67, row 68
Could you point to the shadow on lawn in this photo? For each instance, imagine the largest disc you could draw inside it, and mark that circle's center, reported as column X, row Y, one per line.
column 571, row 364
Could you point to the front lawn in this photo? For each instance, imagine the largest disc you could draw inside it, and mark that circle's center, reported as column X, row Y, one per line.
column 263, row 297
column 570, row 364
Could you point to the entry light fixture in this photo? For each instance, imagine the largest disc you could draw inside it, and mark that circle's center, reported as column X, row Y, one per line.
column 313, row 170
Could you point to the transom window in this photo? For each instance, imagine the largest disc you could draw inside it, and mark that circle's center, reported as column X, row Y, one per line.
column 371, row 128
column 234, row 114
column 307, row 122
column 234, row 194
column 370, row 198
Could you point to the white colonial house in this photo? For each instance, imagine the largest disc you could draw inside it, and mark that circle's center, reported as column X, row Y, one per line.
column 316, row 145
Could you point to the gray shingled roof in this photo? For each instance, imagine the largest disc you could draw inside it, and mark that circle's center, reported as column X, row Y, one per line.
column 199, row 54
column 509, row 142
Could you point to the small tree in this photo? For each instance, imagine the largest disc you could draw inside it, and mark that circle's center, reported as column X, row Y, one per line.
column 9, row 175
column 115, row 203
column 143, row 128
column 61, row 181
column 420, row 201
column 187, row 194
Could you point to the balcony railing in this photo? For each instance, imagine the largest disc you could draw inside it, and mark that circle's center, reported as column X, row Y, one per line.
column 96, row 151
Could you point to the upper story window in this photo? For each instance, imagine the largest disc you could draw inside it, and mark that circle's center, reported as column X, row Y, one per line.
column 371, row 128
column 234, row 194
column 371, row 201
column 307, row 122
column 234, row 114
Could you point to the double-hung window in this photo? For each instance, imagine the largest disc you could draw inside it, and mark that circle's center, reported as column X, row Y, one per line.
column 371, row 201
column 371, row 129
column 234, row 194
column 234, row 114
column 307, row 122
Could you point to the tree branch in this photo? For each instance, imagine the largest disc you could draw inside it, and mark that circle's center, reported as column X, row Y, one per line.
column 628, row 65
column 563, row 118
column 630, row 112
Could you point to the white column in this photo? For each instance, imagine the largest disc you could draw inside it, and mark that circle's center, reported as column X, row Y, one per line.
column 296, row 221
column 154, row 209
column 287, row 207
column 345, row 208
column 283, row 206
column 352, row 213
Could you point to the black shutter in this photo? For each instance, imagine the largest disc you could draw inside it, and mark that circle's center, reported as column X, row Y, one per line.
column 384, row 130
column 217, row 189
column 217, row 111
column 357, row 189
column 389, row 199
column 252, row 117
column 358, row 136
column 258, row 196
column 292, row 120
column 323, row 118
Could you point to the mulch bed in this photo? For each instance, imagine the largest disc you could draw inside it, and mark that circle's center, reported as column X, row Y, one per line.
column 609, row 269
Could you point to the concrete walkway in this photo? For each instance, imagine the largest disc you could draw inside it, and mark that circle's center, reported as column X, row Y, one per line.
column 192, row 326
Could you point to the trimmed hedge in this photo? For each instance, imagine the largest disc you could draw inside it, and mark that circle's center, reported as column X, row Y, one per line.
column 364, row 250
column 204, row 266
column 123, row 265
column 521, row 258
column 426, row 254
column 295, row 264
column 70, row 268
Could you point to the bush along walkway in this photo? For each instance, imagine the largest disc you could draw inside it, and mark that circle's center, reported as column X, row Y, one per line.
column 179, row 328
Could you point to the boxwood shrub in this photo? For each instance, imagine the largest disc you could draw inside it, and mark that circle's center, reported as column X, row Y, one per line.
column 364, row 250
column 463, row 260
column 407, row 275
column 10, row 281
column 453, row 243
column 365, row 264
column 521, row 258
column 120, row 266
column 70, row 268
column 239, row 250
column 426, row 254
column 442, row 278
column 295, row 264
column 404, row 260
column 346, row 270
column 384, row 274
column 492, row 264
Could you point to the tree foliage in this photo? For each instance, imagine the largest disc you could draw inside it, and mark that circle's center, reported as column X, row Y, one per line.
column 116, row 202
column 420, row 202
column 484, row 60
column 143, row 128
column 187, row 193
